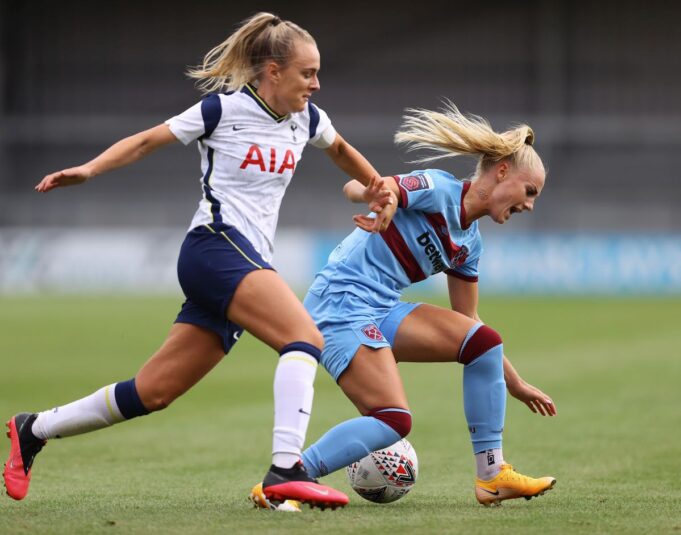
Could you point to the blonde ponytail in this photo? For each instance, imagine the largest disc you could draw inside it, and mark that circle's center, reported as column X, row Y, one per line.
column 450, row 133
column 242, row 56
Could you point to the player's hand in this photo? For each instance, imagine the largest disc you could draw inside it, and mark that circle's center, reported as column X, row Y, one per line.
column 384, row 215
column 375, row 191
column 67, row 177
column 535, row 399
column 382, row 202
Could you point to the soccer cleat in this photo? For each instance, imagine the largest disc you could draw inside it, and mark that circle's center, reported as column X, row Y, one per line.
column 509, row 484
column 260, row 501
column 24, row 446
column 281, row 484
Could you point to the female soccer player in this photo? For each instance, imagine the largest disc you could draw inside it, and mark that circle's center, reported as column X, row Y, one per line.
column 251, row 129
column 355, row 299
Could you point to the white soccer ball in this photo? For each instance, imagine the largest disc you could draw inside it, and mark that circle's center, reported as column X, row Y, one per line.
column 385, row 475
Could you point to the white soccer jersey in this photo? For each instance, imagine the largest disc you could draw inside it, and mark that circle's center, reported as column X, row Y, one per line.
column 248, row 156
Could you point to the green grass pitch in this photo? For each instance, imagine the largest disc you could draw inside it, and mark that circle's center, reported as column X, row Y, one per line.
column 613, row 367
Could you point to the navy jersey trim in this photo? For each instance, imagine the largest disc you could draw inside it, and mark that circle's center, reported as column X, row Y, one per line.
column 208, row 191
column 314, row 119
column 249, row 90
column 211, row 111
column 399, row 248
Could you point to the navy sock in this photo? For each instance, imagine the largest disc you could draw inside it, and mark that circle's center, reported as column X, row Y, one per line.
column 128, row 400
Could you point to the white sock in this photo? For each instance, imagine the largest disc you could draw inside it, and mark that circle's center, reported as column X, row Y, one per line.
column 293, row 393
column 93, row 412
column 489, row 463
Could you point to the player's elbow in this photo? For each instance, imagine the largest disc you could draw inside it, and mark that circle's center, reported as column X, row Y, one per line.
column 149, row 140
column 347, row 190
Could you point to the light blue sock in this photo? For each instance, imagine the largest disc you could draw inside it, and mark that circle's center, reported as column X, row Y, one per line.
column 484, row 399
column 346, row 443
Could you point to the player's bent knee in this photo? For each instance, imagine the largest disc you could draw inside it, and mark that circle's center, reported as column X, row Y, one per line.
column 159, row 399
column 157, row 404
column 484, row 339
column 313, row 337
column 397, row 419
column 316, row 338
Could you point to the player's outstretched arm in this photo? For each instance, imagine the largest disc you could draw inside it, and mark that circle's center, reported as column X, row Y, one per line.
column 351, row 161
column 377, row 191
column 125, row 152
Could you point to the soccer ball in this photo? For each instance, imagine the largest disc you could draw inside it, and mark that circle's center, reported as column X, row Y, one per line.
column 385, row 475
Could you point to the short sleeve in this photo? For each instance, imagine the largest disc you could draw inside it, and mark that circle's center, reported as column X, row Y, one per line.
column 466, row 261
column 322, row 132
column 199, row 121
column 421, row 190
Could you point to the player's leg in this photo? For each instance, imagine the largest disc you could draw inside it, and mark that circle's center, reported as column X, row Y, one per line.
column 434, row 334
column 188, row 353
column 372, row 382
column 221, row 270
column 265, row 306
column 358, row 356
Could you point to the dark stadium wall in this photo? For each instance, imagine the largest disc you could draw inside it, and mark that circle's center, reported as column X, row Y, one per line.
column 599, row 81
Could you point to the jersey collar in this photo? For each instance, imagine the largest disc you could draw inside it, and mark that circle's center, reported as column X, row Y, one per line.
column 250, row 90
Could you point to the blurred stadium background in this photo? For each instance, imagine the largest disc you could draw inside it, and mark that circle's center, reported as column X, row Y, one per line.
column 599, row 82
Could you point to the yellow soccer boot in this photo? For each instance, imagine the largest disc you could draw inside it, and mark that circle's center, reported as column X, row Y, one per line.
column 509, row 484
column 260, row 501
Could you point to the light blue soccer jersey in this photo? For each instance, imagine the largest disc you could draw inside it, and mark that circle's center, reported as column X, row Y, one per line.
column 426, row 236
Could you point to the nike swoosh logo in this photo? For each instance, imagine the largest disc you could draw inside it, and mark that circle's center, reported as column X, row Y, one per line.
column 302, row 411
column 489, row 491
column 236, row 129
column 319, row 491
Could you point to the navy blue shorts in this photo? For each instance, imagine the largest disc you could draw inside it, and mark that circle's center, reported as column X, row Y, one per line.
column 213, row 261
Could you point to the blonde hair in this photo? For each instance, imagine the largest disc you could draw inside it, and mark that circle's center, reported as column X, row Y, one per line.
column 450, row 133
column 241, row 58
